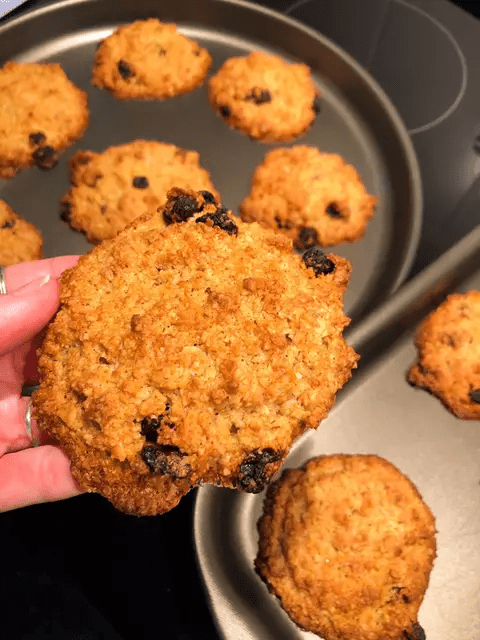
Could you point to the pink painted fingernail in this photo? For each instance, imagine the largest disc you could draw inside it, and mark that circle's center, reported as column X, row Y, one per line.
column 32, row 286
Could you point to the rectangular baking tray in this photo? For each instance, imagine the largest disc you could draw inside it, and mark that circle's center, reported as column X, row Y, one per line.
column 378, row 412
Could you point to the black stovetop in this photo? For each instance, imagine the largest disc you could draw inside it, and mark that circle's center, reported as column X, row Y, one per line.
column 78, row 570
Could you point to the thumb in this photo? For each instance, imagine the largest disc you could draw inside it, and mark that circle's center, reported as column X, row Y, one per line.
column 24, row 312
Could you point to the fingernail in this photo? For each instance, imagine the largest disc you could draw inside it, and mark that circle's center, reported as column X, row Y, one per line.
column 32, row 286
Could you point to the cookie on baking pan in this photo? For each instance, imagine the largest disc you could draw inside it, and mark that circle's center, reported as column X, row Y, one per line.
column 194, row 352
column 112, row 188
column 264, row 96
column 347, row 545
column 312, row 197
column 448, row 343
column 42, row 114
column 20, row 241
column 148, row 59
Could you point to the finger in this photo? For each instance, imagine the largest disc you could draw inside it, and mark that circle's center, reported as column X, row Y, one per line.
column 33, row 476
column 13, row 426
column 12, row 367
column 18, row 275
column 25, row 312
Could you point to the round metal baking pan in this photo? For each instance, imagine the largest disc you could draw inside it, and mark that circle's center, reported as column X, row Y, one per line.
column 356, row 120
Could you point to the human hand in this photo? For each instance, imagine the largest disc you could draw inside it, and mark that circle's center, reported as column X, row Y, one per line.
column 32, row 470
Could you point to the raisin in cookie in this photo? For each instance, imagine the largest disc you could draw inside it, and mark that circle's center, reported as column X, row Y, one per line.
column 20, row 241
column 195, row 352
column 448, row 364
column 149, row 60
column 347, row 544
column 112, row 188
column 264, row 97
column 312, row 197
column 42, row 113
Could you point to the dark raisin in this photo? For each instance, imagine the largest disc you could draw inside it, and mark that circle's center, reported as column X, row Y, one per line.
column 140, row 182
column 233, row 429
column 149, row 428
column 45, row 157
column 318, row 261
column 333, row 210
column 252, row 476
column 162, row 51
column 283, row 224
column 288, row 338
column 103, row 209
column 316, row 105
column 125, row 70
column 149, row 456
column 307, row 237
column 417, row 633
column 65, row 211
column 180, row 209
column 37, row 138
column 225, row 111
column 103, row 360
column 475, row 396
column 259, row 96
column 8, row 224
column 405, row 598
column 208, row 197
column 165, row 459
column 221, row 220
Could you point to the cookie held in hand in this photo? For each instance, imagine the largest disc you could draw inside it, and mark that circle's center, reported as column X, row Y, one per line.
column 191, row 348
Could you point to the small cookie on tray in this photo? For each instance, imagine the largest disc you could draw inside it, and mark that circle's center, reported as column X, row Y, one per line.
column 347, row 545
column 448, row 364
column 265, row 97
column 193, row 353
column 42, row 114
column 309, row 196
column 20, row 241
column 112, row 188
column 149, row 60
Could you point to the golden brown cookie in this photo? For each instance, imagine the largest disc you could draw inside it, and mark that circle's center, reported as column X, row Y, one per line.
column 20, row 241
column 195, row 352
column 448, row 364
column 112, row 188
column 42, row 113
column 312, row 197
column 265, row 97
column 347, row 545
column 148, row 59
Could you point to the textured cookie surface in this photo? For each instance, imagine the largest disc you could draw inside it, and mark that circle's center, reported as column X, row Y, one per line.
column 448, row 365
column 347, row 544
column 42, row 113
column 312, row 197
column 112, row 188
column 195, row 352
column 20, row 241
column 148, row 59
column 264, row 96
